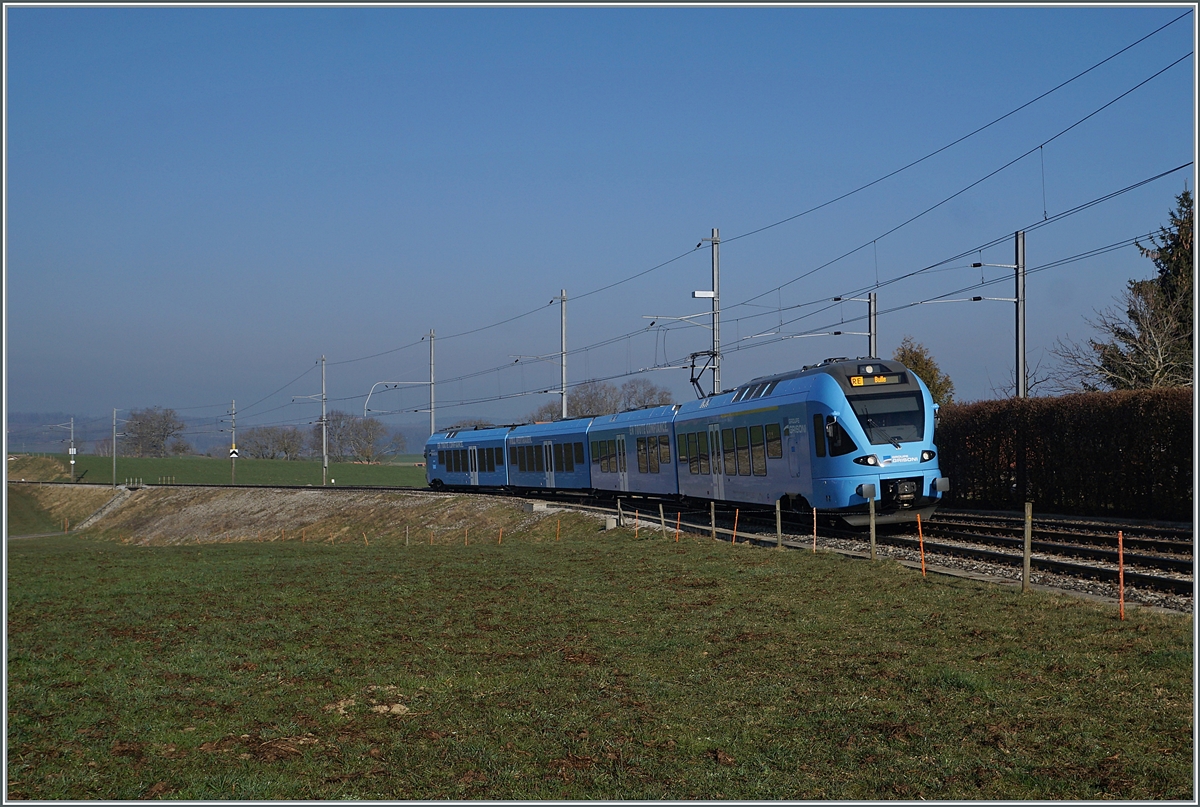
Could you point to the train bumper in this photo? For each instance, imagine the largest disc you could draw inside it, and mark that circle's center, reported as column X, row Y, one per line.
column 897, row 499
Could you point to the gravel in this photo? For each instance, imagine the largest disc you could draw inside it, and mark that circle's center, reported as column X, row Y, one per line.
column 1007, row 574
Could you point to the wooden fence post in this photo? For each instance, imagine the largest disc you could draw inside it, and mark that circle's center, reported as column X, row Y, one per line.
column 1025, row 563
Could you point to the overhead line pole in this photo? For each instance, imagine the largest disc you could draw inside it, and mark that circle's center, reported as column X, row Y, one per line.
column 716, row 307
column 1022, row 382
column 114, row 450
column 563, row 304
column 324, row 430
column 233, row 443
column 432, row 428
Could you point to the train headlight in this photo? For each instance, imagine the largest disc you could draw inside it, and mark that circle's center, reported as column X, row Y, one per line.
column 870, row 459
column 926, row 456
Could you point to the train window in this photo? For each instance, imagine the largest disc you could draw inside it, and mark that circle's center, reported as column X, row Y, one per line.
column 558, row 459
column 643, row 465
column 621, row 456
column 613, row 460
column 595, row 453
column 652, row 454
column 730, row 452
column 840, row 441
column 578, row 453
column 456, row 461
column 890, row 418
column 522, row 464
column 758, row 451
column 499, row 456
column 681, row 447
column 441, row 458
column 774, row 444
column 568, row 458
column 819, row 434
column 605, row 458
column 512, row 456
column 664, row 449
column 491, row 460
column 693, row 453
column 539, row 459
column 742, row 436
column 473, row 460
column 703, row 441
column 769, row 389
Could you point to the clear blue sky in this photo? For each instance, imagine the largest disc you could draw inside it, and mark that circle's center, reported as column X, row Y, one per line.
column 203, row 201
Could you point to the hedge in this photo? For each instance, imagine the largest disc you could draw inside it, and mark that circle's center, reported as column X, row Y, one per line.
column 1099, row 454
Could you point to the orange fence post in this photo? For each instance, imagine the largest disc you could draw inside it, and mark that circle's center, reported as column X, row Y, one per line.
column 735, row 520
column 814, row 530
column 558, row 530
column 678, row 516
column 464, row 536
column 921, row 540
column 500, row 540
column 636, row 523
column 1121, row 570
column 365, row 540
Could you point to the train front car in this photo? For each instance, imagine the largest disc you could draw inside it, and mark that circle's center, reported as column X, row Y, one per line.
column 871, row 424
column 466, row 458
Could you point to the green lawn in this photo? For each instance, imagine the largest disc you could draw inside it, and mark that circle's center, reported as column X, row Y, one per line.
column 595, row 667
column 25, row 515
column 210, row 471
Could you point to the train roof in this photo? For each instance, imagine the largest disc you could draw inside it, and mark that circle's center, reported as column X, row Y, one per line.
column 656, row 412
column 843, row 370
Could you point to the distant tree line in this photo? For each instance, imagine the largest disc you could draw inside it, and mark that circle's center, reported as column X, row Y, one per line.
column 602, row 398
column 158, row 432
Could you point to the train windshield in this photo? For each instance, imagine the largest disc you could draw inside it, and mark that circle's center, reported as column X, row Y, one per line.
column 895, row 419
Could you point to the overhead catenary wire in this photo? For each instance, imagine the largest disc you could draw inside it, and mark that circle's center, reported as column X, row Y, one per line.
column 822, row 205
column 778, row 309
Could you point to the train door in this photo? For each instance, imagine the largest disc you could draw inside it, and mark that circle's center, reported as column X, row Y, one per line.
column 799, row 452
column 714, row 450
column 473, row 461
column 622, row 468
column 548, row 454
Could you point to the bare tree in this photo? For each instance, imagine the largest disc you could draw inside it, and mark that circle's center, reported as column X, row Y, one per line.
column 261, row 442
column 103, row 448
column 366, row 438
column 1145, row 351
column 641, row 392
column 1150, row 344
column 594, row 398
column 290, row 442
column 351, row 438
column 149, row 431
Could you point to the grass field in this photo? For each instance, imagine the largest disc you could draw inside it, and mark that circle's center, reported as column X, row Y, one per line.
column 36, row 509
column 596, row 666
column 210, row 471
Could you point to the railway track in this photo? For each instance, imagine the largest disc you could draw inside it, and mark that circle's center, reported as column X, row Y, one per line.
column 1158, row 557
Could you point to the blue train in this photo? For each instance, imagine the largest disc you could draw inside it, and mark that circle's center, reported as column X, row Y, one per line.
column 811, row 438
